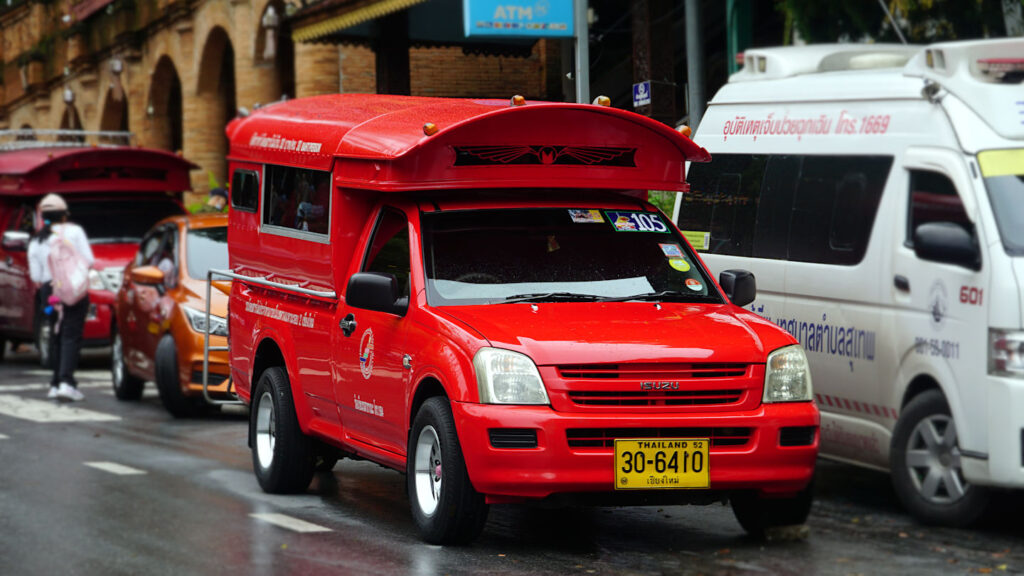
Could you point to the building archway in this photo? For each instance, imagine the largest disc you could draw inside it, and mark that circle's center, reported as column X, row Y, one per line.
column 216, row 93
column 115, row 114
column 164, row 107
column 71, row 121
column 275, row 48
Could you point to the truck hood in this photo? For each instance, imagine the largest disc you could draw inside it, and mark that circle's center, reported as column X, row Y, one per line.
column 589, row 332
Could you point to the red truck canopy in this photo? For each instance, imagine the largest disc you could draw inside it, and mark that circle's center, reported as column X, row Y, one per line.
column 36, row 171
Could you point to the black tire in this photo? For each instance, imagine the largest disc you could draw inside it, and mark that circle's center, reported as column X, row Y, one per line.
column 756, row 514
column 168, row 382
column 126, row 385
column 42, row 334
column 928, row 478
column 283, row 458
column 446, row 507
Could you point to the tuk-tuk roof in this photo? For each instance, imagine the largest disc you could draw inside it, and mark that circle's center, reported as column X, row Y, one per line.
column 386, row 144
column 33, row 171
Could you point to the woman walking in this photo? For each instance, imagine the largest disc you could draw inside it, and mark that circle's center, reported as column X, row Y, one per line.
column 67, row 321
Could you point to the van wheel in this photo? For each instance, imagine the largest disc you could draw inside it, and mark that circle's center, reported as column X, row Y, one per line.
column 446, row 507
column 757, row 514
column 126, row 386
column 283, row 458
column 925, row 463
column 168, row 381
column 43, row 335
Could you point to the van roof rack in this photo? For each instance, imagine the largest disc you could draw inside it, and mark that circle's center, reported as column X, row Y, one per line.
column 30, row 138
column 787, row 61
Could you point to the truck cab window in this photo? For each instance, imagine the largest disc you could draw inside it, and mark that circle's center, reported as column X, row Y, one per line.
column 389, row 250
column 933, row 198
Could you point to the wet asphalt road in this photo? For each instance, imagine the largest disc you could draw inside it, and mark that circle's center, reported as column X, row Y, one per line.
column 126, row 489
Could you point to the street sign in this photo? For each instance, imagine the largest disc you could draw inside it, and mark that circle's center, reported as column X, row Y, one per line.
column 642, row 94
column 518, row 18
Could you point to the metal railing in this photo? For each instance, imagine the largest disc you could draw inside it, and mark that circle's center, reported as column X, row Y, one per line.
column 30, row 138
column 259, row 281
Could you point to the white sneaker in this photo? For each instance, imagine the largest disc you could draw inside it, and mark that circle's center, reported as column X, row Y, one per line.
column 52, row 393
column 69, row 392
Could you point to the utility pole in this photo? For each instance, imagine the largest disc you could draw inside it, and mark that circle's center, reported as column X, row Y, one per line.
column 694, row 63
column 582, row 73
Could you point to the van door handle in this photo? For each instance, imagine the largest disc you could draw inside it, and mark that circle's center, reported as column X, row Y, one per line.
column 348, row 325
column 901, row 282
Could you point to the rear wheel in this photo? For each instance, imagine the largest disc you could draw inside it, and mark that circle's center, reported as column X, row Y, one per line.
column 926, row 469
column 283, row 458
column 168, row 382
column 446, row 507
column 756, row 514
column 126, row 386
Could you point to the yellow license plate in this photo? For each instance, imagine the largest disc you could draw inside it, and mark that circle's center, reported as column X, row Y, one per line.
column 661, row 463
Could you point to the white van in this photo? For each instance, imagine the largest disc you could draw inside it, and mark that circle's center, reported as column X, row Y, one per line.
column 877, row 194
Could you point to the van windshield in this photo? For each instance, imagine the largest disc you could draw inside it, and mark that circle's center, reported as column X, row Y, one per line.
column 120, row 220
column 1004, row 179
column 558, row 255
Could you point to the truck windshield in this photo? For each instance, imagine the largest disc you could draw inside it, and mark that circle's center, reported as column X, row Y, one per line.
column 206, row 248
column 558, row 255
column 1003, row 171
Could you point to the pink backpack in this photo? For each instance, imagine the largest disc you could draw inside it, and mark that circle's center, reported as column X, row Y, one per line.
column 69, row 269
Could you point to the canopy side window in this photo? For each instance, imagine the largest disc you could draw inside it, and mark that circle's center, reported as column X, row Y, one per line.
column 296, row 202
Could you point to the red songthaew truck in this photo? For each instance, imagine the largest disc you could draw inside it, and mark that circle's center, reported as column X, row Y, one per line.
column 477, row 293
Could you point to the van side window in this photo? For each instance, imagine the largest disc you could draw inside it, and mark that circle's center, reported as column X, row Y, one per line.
column 297, row 200
column 802, row 208
column 389, row 250
column 933, row 198
column 245, row 190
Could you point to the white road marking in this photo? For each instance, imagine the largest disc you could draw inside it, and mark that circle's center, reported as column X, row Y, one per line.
column 31, row 387
column 293, row 524
column 49, row 411
column 115, row 468
column 4, row 437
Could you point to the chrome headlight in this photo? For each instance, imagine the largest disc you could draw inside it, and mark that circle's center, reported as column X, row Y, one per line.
column 787, row 377
column 197, row 318
column 1006, row 353
column 96, row 281
column 506, row 377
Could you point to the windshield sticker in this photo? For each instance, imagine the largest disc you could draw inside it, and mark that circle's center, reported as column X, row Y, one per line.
column 586, row 216
column 366, row 354
column 679, row 264
column 636, row 222
column 671, row 250
column 694, row 284
column 699, row 239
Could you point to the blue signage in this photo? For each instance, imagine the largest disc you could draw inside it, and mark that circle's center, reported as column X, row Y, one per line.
column 518, row 18
column 642, row 94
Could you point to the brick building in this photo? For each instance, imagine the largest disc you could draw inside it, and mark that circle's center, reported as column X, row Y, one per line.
column 173, row 72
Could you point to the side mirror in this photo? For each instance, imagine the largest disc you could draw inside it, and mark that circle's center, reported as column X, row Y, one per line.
column 948, row 243
column 739, row 285
column 375, row 291
column 147, row 275
column 16, row 240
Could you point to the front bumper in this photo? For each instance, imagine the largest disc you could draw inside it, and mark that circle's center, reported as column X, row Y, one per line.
column 556, row 467
column 190, row 363
column 1004, row 465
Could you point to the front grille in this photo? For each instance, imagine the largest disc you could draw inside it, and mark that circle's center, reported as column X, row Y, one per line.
column 605, row 437
column 797, row 435
column 213, row 379
column 659, row 398
column 651, row 371
column 513, row 437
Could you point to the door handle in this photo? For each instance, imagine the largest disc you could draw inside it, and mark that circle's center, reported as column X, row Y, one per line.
column 348, row 325
column 902, row 283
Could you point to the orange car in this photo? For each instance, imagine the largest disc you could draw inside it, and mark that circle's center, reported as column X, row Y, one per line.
column 160, row 311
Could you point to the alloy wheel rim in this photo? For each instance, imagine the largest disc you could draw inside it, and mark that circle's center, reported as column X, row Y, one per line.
column 117, row 361
column 266, row 430
column 933, row 460
column 428, row 471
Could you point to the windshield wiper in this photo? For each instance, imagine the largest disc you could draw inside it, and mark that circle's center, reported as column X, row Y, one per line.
column 672, row 295
column 552, row 296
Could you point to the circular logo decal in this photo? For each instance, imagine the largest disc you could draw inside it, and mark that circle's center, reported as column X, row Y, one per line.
column 679, row 264
column 366, row 354
column 694, row 284
column 937, row 305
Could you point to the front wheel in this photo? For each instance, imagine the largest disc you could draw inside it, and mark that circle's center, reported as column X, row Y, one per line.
column 926, row 469
column 283, row 458
column 446, row 507
column 168, row 382
column 757, row 514
column 126, row 386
